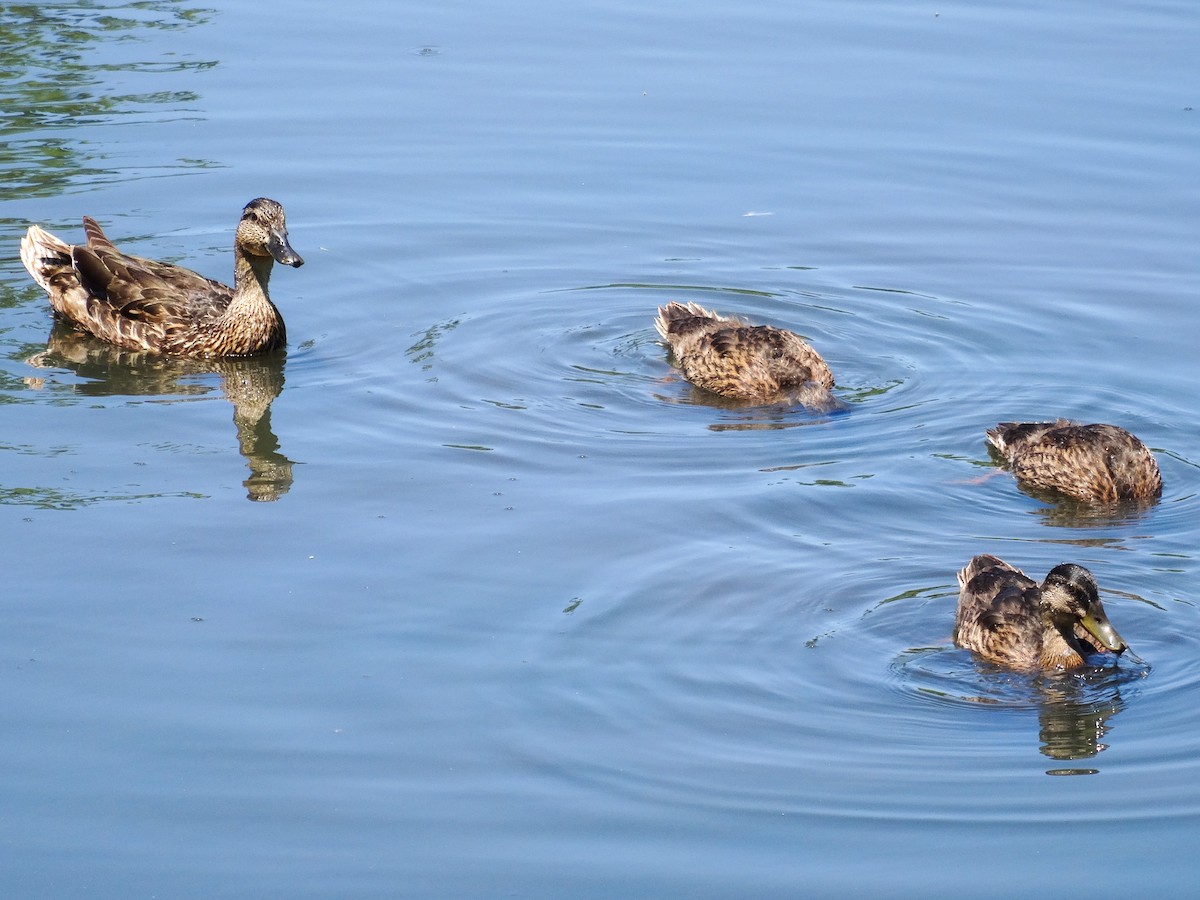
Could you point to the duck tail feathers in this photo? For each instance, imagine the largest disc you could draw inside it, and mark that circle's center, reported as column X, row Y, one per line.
column 677, row 318
column 44, row 255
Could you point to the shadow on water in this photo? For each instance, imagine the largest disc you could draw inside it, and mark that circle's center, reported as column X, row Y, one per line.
column 53, row 80
column 742, row 415
column 1073, row 708
column 748, row 415
column 251, row 385
column 1078, row 514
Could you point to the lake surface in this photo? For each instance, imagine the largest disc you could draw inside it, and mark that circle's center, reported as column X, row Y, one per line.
column 469, row 594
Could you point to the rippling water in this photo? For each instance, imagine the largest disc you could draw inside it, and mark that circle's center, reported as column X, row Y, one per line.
column 468, row 593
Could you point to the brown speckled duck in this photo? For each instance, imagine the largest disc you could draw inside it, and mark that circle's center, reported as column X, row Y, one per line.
column 754, row 363
column 1009, row 619
column 141, row 304
column 1101, row 463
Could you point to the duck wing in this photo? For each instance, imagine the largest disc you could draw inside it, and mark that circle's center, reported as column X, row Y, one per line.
column 1012, row 438
column 96, row 238
column 753, row 362
column 144, row 290
column 787, row 355
column 1005, row 603
column 998, row 614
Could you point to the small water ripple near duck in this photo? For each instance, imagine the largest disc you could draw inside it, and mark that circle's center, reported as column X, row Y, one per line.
column 1008, row 618
column 753, row 363
column 146, row 305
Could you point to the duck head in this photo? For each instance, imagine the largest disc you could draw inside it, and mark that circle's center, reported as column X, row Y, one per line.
column 1070, row 599
column 263, row 232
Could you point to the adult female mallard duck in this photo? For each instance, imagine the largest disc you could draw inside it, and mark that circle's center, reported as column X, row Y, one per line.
column 140, row 304
column 1102, row 463
column 1008, row 618
column 755, row 363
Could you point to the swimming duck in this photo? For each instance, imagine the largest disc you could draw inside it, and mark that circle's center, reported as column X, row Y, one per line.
column 1101, row 463
column 141, row 304
column 1008, row 618
column 755, row 363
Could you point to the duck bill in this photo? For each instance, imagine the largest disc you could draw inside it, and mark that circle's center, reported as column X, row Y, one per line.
column 1100, row 628
column 278, row 244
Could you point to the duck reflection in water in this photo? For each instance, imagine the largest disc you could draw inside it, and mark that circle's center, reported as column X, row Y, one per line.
column 1073, row 716
column 251, row 384
column 1073, row 707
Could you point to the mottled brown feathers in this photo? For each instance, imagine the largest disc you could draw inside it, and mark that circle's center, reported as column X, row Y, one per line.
column 754, row 363
column 1101, row 463
column 1009, row 619
column 145, row 305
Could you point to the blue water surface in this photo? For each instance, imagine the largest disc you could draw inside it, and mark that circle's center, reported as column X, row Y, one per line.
column 469, row 594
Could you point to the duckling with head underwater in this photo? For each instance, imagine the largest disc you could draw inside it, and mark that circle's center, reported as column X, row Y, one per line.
column 1097, row 463
column 1009, row 619
column 755, row 363
column 142, row 304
